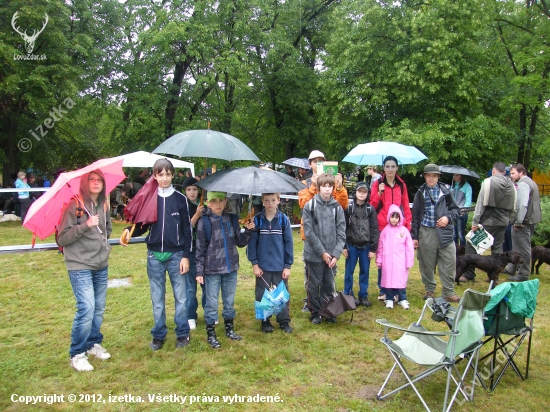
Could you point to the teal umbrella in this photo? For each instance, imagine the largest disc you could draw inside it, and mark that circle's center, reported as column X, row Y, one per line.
column 374, row 153
column 208, row 144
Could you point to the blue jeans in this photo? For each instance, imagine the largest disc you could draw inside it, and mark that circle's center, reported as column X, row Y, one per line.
column 156, row 271
column 191, row 287
column 382, row 290
column 90, row 292
column 362, row 255
column 400, row 293
column 460, row 229
column 212, row 285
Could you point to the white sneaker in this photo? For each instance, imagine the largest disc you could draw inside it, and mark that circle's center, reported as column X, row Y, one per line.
column 389, row 304
column 404, row 304
column 99, row 352
column 192, row 324
column 80, row 363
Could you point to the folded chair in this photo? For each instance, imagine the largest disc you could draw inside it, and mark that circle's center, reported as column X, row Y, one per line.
column 506, row 329
column 428, row 349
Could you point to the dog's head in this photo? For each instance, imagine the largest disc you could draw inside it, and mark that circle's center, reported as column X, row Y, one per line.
column 514, row 257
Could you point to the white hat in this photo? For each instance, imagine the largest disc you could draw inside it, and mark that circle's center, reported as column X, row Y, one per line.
column 315, row 154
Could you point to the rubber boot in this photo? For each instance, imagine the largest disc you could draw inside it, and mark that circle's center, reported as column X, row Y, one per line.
column 229, row 332
column 211, row 336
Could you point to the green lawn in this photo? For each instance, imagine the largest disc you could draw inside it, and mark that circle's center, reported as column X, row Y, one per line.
column 317, row 368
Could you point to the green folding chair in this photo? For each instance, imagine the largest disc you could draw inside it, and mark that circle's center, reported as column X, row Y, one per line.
column 427, row 348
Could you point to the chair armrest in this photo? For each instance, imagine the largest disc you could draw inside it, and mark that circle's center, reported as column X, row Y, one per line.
column 387, row 324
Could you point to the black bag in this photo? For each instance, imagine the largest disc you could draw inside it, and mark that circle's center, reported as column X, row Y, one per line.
column 334, row 305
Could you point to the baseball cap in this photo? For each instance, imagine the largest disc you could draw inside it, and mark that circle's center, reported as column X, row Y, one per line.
column 189, row 181
column 432, row 168
column 362, row 185
column 216, row 195
column 316, row 153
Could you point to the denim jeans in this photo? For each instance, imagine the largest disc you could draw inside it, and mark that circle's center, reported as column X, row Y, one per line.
column 227, row 283
column 90, row 292
column 400, row 293
column 362, row 255
column 191, row 287
column 460, row 229
column 156, row 271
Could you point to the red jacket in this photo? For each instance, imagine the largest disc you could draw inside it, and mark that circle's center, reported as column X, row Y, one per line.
column 396, row 195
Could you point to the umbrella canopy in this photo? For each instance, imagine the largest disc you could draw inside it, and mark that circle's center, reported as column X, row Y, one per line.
column 374, row 153
column 250, row 180
column 146, row 159
column 206, row 143
column 459, row 170
column 298, row 162
column 143, row 207
column 45, row 213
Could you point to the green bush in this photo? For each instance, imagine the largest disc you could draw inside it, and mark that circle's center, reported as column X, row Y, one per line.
column 542, row 232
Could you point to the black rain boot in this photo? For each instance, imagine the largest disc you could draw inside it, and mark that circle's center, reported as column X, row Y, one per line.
column 211, row 336
column 229, row 332
column 267, row 327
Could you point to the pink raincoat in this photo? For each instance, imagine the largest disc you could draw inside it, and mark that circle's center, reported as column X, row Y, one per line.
column 395, row 253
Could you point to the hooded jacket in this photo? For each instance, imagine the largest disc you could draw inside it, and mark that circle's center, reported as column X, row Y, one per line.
column 172, row 230
column 361, row 225
column 445, row 206
column 324, row 227
column 396, row 195
column 395, row 253
column 84, row 247
column 220, row 255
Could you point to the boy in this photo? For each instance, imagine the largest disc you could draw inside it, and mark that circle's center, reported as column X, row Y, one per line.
column 217, row 260
column 325, row 230
column 361, row 242
column 195, row 212
column 168, row 250
column 271, row 252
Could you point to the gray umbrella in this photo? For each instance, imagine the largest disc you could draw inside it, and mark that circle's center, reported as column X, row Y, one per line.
column 250, row 180
column 206, row 143
column 459, row 170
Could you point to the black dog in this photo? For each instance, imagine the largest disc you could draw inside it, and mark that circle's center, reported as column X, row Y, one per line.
column 541, row 254
column 460, row 250
column 493, row 264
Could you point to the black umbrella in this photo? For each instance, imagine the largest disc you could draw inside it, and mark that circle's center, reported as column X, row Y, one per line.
column 250, row 180
column 459, row 170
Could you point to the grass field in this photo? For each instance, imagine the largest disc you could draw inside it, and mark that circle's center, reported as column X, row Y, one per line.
column 317, row 368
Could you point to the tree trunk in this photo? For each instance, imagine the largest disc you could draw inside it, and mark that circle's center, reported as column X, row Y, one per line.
column 522, row 132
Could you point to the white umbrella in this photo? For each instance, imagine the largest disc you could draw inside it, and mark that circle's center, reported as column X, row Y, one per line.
column 146, row 159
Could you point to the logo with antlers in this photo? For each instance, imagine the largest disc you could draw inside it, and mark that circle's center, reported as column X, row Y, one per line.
column 29, row 40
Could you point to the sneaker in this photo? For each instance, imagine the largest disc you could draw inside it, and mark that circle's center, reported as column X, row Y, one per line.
column 404, row 304
column 452, row 298
column 316, row 320
column 428, row 295
column 156, row 344
column 182, row 342
column 285, row 327
column 365, row 302
column 357, row 302
column 382, row 297
column 389, row 304
column 216, row 322
column 99, row 352
column 267, row 327
column 192, row 324
column 80, row 363
column 305, row 309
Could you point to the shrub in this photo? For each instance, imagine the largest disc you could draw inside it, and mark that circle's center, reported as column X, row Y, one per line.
column 542, row 232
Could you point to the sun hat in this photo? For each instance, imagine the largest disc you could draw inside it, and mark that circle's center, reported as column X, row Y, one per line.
column 432, row 168
column 315, row 154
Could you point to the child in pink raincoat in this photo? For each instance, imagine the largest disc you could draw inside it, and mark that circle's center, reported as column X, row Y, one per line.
column 395, row 256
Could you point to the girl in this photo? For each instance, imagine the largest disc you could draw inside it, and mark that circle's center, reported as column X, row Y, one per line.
column 395, row 256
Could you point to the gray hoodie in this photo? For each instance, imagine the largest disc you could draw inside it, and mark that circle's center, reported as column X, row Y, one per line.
column 85, row 248
column 324, row 228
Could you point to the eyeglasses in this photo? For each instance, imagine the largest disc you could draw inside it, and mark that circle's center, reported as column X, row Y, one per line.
column 95, row 179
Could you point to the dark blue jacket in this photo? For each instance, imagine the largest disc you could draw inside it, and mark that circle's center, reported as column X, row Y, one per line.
column 172, row 230
column 272, row 247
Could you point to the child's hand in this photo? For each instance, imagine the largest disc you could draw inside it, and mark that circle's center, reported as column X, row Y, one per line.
column 338, row 181
column 379, row 265
column 257, row 271
column 250, row 225
column 200, row 280
column 345, row 253
column 314, row 180
column 286, row 273
column 372, row 255
column 200, row 211
column 415, row 244
column 184, row 266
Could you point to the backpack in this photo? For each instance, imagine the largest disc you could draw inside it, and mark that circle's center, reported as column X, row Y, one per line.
column 282, row 221
column 353, row 234
column 334, row 208
column 207, row 225
column 79, row 212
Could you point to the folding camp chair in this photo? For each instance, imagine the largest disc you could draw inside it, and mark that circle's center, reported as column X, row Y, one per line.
column 425, row 348
column 505, row 315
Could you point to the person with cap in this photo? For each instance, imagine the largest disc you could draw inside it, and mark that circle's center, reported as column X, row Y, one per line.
column 361, row 242
column 434, row 213
column 196, row 210
column 339, row 193
column 217, row 261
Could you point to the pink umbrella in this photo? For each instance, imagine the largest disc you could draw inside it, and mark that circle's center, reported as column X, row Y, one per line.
column 45, row 213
